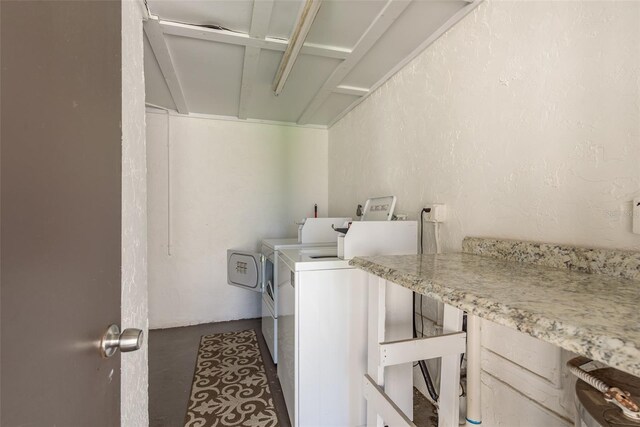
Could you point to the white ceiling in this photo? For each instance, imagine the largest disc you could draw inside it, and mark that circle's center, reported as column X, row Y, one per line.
column 352, row 48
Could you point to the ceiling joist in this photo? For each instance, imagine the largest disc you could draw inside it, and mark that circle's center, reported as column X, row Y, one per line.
column 391, row 11
column 249, row 73
column 351, row 90
column 449, row 23
column 163, row 56
column 242, row 39
column 248, row 101
column 260, row 19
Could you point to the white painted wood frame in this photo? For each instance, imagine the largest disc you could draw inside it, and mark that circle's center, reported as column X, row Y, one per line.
column 397, row 352
column 256, row 40
column 387, row 16
column 242, row 39
column 449, row 398
column 158, row 109
column 260, row 19
column 376, row 320
column 163, row 56
column 351, row 90
column 472, row 4
column 388, row 410
column 381, row 410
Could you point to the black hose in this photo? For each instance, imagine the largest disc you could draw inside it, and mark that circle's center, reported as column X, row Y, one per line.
column 423, row 365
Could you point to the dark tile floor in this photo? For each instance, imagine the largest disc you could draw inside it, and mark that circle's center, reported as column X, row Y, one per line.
column 172, row 359
column 424, row 413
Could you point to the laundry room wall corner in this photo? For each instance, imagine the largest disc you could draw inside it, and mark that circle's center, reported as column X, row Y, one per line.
column 216, row 185
column 134, row 365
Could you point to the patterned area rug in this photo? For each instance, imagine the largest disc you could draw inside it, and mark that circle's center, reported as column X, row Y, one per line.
column 230, row 385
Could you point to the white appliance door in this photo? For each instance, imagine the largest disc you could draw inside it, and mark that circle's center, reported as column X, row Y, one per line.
column 270, row 291
column 270, row 288
column 286, row 336
column 245, row 270
column 269, row 329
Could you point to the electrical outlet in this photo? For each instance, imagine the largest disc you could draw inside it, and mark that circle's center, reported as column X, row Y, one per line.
column 635, row 219
column 436, row 212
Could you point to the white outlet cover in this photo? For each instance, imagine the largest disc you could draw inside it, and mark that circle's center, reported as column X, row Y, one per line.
column 437, row 213
column 635, row 212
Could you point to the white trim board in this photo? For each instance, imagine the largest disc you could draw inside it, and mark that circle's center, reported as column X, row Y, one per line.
column 163, row 57
column 242, row 39
column 157, row 109
column 260, row 18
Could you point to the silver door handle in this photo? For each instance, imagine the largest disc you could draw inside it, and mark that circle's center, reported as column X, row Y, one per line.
column 129, row 340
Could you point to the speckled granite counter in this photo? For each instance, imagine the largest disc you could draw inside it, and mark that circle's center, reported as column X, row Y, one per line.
column 593, row 315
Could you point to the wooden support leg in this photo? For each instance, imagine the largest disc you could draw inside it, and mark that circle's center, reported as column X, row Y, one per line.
column 377, row 308
column 449, row 404
column 382, row 406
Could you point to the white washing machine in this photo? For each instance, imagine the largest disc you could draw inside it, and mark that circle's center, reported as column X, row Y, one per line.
column 322, row 327
column 258, row 272
column 270, row 251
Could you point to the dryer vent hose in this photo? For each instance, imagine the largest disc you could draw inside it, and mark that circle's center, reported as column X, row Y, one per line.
column 574, row 368
column 620, row 398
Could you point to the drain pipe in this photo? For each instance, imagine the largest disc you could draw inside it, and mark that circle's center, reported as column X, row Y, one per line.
column 474, row 409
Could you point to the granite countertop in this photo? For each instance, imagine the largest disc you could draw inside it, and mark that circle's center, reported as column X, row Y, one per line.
column 590, row 314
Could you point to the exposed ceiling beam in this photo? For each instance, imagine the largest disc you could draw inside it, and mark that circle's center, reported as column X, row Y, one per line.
column 453, row 20
column 249, row 73
column 159, row 47
column 300, row 30
column 242, row 39
column 316, row 49
column 260, row 19
column 146, row 13
column 391, row 11
column 351, row 90
column 158, row 109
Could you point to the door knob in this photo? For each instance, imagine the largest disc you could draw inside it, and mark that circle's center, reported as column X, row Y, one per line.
column 129, row 340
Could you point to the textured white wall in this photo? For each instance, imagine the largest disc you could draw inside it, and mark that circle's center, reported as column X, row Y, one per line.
column 525, row 120
column 134, row 383
column 231, row 185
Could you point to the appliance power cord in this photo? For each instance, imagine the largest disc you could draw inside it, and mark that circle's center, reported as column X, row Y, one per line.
column 422, row 363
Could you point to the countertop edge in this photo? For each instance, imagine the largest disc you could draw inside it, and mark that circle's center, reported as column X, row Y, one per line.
column 603, row 348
